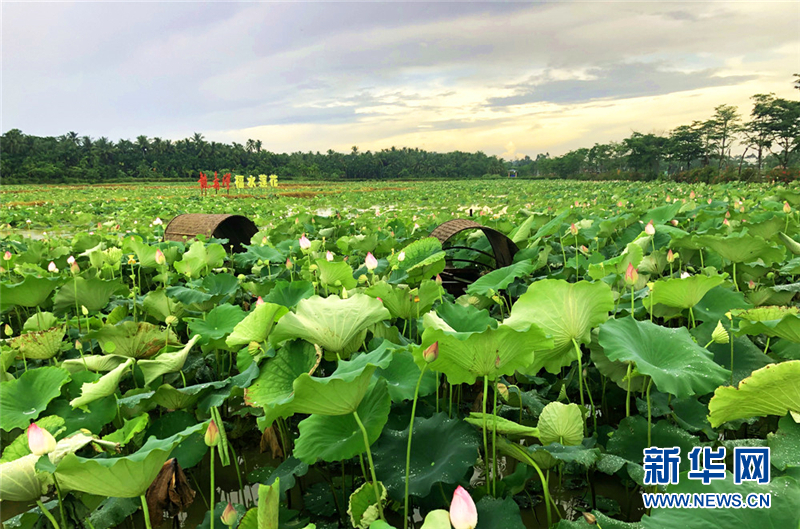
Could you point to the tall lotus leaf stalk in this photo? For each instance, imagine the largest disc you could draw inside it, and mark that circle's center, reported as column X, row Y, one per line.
column 212, row 439
column 375, row 485
column 485, row 440
column 494, row 441
column 628, row 394
column 430, row 354
column 47, row 514
column 649, row 415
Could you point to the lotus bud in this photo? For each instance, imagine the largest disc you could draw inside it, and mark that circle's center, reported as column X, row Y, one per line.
column 253, row 347
column 674, row 222
column 259, row 301
column 431, row 353
column 344, row 293
column 463, row 513
column 212, row 434
column 725, row 222
column 685, row 275
column 590, row 518
column 289, row 264
column 751, row 284
column 229, row 515
column 40, row 441
column 720, row 335
column 84, row 310
column 70, row 260
column 670, row 257
column 78, row 345
column 160, row 259
column 649, row 229
column 787, row 208
column 631, row 275
column 371, row 262
column 438, row 279
column 52, row 268
column 305, row 244
column 573, row 229
column 263, row 241
column 8, row 330
column 401, row 256
column 74, row 268
column 329, row 256
column 171, row 320
column 7, row 256
column 692, row 195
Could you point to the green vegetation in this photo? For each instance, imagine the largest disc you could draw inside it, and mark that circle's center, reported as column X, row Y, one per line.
column 634, row 315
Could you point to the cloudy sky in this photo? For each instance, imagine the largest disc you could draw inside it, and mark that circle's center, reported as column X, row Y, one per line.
column 505, row 78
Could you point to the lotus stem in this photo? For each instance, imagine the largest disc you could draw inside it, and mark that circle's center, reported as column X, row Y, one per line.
column 146, row 513
column 60, row 502
column 47, row 514
column 580, row 370
column 213, row 489
column 371, row 465
column 649, row 415
column 633, row 301
column 545, row 486
column 731, row 340
column 485, row 441
column 735, row 284
column 628, row 396
column 494, row 442
column 766, row 347
column 408, row 447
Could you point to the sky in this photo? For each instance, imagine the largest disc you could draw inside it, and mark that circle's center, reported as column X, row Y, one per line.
column 508, row 79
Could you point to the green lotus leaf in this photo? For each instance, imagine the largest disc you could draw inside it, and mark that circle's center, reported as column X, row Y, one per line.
column 218, row 323
column 94, row 363
column 166, row 362
column 19, row 446
column 742, row 248
column 335, row 274
column 491, row 353
column 129, row 429
column 632, row 254
column 158, row 305
column 561, row 423
column 422, row 257
column 193, row 448
column 438, row 519
column 133, row 339
column 790, row 243
column 630, row 439
column 337, row 438
column 332, row 323
column 41, row 321
column 496, row 512
column 670, row 357
column 32, row 291
column 784, row 444
column 21, row 481
column 771, row 390
column 503, row 426
column 218, row 394
column 173, row 398
column 39, row 345
column 121, row 477
column 401, row 300
column 581, row 454
column 564, row 311
column 442, row 451
column 783, row 512
column 94, row 416
column 273, row 389
column 781, row 322
column 462, row 318
column 602, row 521
column 287, row 472
column 363, row 507
column 402, row 376
column 616, row 371
column 26, row 397
column 257, row 325
column 105, row 386
column 683, row 293
column 500, row 279
column 289, row 294
column 200, row 259
column 94, row 294
column 717, row 302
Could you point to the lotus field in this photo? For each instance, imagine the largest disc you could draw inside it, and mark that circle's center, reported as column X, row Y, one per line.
column 329, row 375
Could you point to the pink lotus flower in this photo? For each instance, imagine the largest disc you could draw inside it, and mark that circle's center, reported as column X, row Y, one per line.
column 573, row 229
column 631, row 274
column 463, row 513
column 787, row 208
column 670, row 256
column 259, row 301
column 650, row 229
column 7, row 256
column 431, row 353
column 40, row 441
column 212, row 434
column 52, row 268
column 160, row 259
column 371, row 262
column 289, row 264
column 674, row 222
column 229, row 515
column 329, row 256
column 305, row 244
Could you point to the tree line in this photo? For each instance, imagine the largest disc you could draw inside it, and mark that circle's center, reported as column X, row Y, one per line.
column 768, row 139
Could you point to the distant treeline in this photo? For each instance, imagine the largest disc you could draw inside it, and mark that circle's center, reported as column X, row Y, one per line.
column 768, row 142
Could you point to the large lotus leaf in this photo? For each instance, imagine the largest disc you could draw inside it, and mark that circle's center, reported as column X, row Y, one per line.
column 683, row 293
column 121, row 477
column 94, row 294
column 217, row 324
column 129, row 429
column 464, row 318
column 103, row 387
column 19, row 446
column 771, row 390
column 781, row 322
column 173, row 398
column 340, row 393
column 337, row 438
column 287, row 472
column 39, row 345
column 332, row 323
column 158, row 305
column 25, row 398
column 742, row 248
column 491, row 353
column 717, row 302
column 581, row 454
column 402, row 376
column 495, row 512
column 289, row 294
column 273, row 389
column 503, row 426
column 192, row 449
column 21, row 481
column 442, row 450
column 257, row 325
column 32, row 291
column 784, row 444
column 783, row 512
column 630, row 439
column 41, row 321
column 93, row 417
column 200, row 259
column 499, row 279
column 133, row 339
column 423, row 254
column 217, row 395
column 616, row 371
column 566, row 312
column 632, row 254
column 363, row 506
column 561, row 423
column 166, row 362
column 404, row 302
column 670, row 357
column 335, row 274
column 93, row 363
